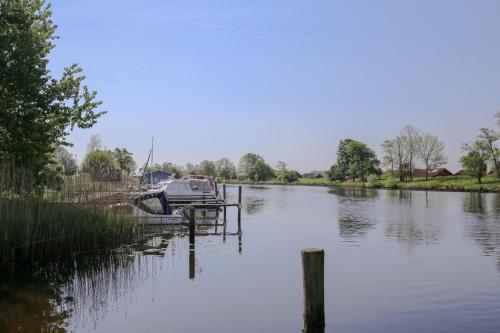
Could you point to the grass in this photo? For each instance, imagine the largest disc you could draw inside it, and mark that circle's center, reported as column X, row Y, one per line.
column 452, row 183
column 38, row 222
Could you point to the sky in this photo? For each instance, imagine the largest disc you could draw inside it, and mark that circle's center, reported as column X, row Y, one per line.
column 284, row 79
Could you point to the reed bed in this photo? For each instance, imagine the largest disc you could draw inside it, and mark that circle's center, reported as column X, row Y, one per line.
column 53, row 221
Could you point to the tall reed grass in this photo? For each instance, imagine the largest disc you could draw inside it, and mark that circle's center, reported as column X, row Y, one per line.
column 54, row 221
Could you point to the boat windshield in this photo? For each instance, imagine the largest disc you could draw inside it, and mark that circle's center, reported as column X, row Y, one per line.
column 200, row 185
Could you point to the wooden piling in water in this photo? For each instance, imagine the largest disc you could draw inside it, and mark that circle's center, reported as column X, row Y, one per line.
column 191, row 226
column 313, row 261
column 239, row 209
column 192, row 262
column 224, row 197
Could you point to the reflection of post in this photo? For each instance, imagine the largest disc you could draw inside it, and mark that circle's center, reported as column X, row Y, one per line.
column 192, row 260
column 240, row 244
column 224, row 197
column 313, row 261
column 239, row 209
column 191, row 226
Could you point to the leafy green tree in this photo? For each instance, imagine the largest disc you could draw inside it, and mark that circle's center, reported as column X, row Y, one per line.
column 102, row 165
column 125, row 160
column 253, row 167
column 488, row 139
column 431, row 152
column 37, row 109
column 288, row 176
column 354, row 161
column 475, row 159
column 207, row 168
column 66, row 160
column 225, row 169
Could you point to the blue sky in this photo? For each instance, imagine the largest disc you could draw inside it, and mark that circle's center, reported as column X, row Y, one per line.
column 285, row 79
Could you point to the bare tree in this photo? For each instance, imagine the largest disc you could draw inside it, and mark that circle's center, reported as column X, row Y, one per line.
column 411, row 139
column 95, row 143
column 431, row 152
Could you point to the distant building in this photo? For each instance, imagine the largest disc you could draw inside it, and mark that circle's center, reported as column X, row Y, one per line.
column 460, row 173
column 315, row 174
column 439, row 172
column 157, row 176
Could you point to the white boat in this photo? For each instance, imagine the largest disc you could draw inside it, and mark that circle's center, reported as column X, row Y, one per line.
column 163, row 204
column 189, row 189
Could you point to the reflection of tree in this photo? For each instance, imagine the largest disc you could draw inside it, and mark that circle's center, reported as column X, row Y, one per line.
column 354, row 192
column 29, row 306
column 483, row 224
column 253, row 204
column 355, row 211
column 409, row 221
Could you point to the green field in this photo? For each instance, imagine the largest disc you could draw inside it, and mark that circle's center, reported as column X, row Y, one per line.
column 452, row 183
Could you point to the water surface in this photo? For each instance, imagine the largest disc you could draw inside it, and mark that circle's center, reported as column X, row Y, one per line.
column 395, row 261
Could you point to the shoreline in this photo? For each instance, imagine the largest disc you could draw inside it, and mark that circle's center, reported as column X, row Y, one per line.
column 410, row 186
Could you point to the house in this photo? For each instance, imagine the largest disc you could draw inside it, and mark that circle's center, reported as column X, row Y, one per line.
column 315, row 174
column 460, row 173
column 439, row 172
column 156, row 176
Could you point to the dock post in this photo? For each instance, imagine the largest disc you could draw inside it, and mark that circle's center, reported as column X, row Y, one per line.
column 224, row 197
column 191, row 226
column 239, row 209
column 192, row 262
column 313, row 261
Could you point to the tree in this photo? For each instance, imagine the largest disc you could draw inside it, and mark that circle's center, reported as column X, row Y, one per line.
column 66, row 160
column 125, row 160
column 207, row 168
column 431, row 152
column 388, row 151
column 475, row 160
column 225, row 169
column 354, row 161
column 253, row 166
column 37, row 109
column 95, row 143
column 101, row 165
column 488, row 138
column 411, row 141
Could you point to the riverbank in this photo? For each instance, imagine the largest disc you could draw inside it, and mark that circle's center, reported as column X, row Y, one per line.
column 452, row 183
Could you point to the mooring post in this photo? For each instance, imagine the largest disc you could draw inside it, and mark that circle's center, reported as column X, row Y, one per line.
column 239, row 209
column 191, row 226
column 192, row 262
column 224, row 197
column 313, row 261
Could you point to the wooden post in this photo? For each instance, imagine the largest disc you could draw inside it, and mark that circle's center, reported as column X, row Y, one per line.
column 224, row 197
column 313, row 261
column 191, row 226
column 239, row 209
column 192, row 262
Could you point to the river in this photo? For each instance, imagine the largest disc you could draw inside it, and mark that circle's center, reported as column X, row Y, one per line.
column 395, row 261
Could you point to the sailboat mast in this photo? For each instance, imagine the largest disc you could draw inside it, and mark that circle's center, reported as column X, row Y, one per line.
column 152, row 146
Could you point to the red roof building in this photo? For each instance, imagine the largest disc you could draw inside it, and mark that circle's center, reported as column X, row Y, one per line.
column 439, row 172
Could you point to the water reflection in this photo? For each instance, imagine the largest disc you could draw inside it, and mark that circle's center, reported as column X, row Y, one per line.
column 483, row 224
column 412, row 221
column 253, row 204
column 355, row 215
column 365, row 193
